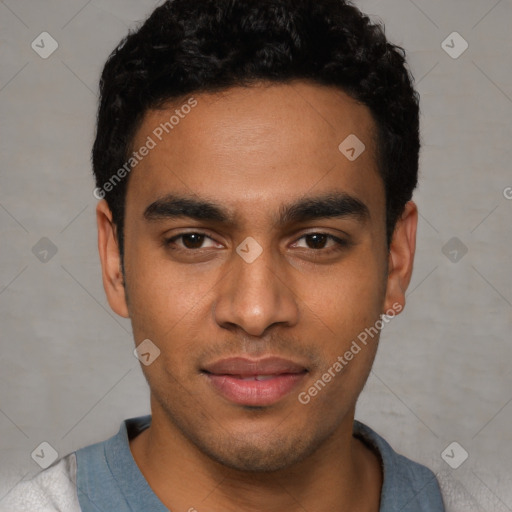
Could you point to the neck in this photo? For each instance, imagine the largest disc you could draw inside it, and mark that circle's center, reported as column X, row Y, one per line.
column 342, row 474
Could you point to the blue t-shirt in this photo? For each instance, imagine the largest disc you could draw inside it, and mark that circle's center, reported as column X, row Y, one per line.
column 108, row 478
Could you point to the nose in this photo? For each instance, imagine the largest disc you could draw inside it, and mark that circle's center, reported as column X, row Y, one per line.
column 256, row 294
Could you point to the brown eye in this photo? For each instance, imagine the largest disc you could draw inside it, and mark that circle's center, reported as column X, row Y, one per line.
column 189, row 241
column 316, row 241
column 319, row 241
column 193, row 240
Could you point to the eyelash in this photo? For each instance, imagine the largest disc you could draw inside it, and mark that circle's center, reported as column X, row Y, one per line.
column 340, row 243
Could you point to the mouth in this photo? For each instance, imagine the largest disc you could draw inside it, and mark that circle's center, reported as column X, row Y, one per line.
column 250, row 382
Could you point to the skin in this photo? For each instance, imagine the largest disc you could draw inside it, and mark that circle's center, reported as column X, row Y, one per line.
column 253, row 151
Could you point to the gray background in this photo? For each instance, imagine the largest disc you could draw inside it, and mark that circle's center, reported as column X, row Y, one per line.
column 67, row 372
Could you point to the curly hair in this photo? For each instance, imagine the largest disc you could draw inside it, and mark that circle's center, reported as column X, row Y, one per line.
column 187, row 47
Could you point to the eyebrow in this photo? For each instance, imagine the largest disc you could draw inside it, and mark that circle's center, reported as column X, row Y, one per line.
column 334, row 205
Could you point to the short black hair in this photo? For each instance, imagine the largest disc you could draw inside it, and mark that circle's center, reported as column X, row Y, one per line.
column 193, row 46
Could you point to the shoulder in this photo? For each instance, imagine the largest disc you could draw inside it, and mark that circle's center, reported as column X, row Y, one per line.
column 51, row 490
column 407, row 486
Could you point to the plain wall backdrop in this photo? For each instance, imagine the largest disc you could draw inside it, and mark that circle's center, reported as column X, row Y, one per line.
column 68, row 375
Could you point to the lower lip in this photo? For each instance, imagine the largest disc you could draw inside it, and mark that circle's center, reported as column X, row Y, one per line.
column 255, row 392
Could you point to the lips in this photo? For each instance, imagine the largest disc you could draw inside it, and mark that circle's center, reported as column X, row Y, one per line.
column 240, row 366
column 260, row 382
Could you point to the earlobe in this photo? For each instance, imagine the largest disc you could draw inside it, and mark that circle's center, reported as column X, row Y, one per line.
column 401, row 258
column 110, row 260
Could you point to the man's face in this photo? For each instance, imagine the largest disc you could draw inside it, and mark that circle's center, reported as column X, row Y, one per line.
column 219, row 315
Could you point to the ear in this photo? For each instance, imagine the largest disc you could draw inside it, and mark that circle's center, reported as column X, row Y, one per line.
column 401, row 258
column 110, row 260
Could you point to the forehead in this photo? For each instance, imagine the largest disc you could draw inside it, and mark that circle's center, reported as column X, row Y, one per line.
column 264, row 142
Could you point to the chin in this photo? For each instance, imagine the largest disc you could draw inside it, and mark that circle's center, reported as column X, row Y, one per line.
column 255, row 444
column 263, row 455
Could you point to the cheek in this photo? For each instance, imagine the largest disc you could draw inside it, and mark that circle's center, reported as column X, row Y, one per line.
column 161, row 303
column 351, row 297
column 167, row 301
column 350, row 314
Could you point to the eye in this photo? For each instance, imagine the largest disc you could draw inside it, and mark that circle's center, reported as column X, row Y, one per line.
column 190, row 241
column 318, row 241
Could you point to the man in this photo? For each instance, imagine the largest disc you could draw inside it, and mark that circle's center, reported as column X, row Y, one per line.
column 255, row 162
